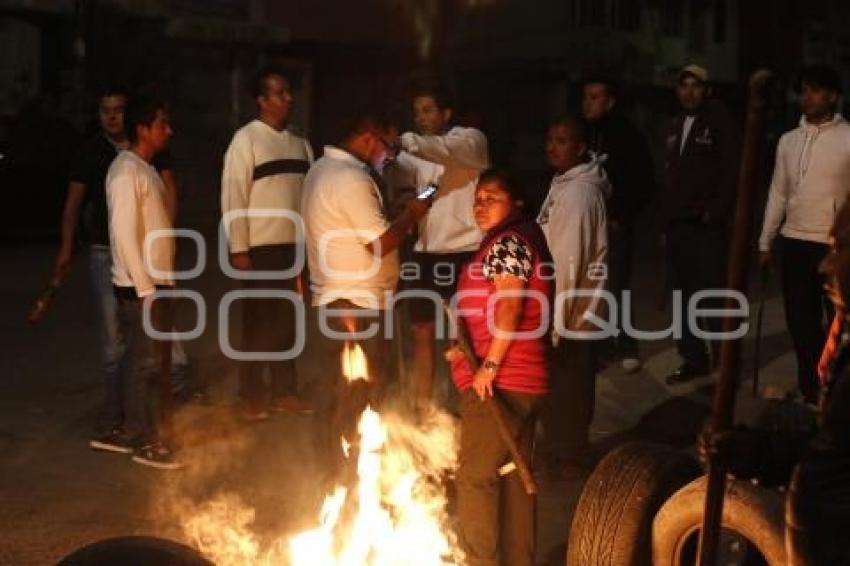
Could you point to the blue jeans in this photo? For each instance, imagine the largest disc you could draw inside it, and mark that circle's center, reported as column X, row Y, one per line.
column 111, row 344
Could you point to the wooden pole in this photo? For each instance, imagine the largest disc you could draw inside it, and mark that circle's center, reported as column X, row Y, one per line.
column 723, row 409
column 494, row 406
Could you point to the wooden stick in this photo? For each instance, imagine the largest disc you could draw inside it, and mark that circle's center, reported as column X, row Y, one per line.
column 494, row 406
column 723, row 408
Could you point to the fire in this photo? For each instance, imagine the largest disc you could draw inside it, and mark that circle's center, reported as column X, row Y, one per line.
column 393, row 514
column 400, row 516
column 354, row 364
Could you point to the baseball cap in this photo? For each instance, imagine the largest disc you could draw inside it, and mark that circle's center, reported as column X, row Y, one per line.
column 695, row 71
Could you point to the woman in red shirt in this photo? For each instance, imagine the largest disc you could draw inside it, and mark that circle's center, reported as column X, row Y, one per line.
column 503, row 300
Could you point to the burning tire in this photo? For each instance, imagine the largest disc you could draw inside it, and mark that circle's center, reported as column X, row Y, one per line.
column 135, row 551
column 613, row 520
column 753, row 529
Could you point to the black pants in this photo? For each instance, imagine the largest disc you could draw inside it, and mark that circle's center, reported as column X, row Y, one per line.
column 496, row 517
column 269, row 325
column 808, row 311
column 697, row 261
column 620, row 252
column 568, row 409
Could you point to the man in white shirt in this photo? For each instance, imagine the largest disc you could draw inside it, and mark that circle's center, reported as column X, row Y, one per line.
column 573, row 218
column 136, row 204
column 352, row 251
column 452, row 157
column 811, row 180
column 264, row 168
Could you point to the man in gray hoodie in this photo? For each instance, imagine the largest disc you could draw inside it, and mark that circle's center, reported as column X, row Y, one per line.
column 574, row 221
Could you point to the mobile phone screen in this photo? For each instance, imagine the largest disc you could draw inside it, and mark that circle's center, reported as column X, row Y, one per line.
column 427, row 192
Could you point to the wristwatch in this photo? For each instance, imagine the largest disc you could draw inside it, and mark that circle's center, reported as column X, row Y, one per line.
column 490, row 366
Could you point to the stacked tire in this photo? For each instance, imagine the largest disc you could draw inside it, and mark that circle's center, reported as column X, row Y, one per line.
column 643, row 505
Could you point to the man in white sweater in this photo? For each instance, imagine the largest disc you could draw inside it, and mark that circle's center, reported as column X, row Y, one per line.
column 452, row 157
column 574, row 220
column 135, row 196
column 811, row 180
column 264, row 168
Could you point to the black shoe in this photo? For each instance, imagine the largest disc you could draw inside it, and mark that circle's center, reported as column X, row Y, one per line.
column 113, row 441
column 687, row 372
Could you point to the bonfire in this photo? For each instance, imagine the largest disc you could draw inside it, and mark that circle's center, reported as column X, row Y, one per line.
column 392, row 511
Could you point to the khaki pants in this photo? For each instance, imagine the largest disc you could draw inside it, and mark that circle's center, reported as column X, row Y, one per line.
column 496, row 516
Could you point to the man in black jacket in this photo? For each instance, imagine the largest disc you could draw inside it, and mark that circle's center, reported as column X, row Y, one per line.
column 702, row 167
column 630, row 170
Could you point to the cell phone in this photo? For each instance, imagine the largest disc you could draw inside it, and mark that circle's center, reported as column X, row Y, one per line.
column 428, row 192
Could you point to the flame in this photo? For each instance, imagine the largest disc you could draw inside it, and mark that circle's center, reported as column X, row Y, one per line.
column 354, row 364
column 400, row 518
column 394, row 515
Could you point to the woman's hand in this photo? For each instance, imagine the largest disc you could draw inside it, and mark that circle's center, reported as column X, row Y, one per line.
column 482, row 382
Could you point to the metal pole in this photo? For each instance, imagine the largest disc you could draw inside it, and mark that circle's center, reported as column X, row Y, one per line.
column 730, row 351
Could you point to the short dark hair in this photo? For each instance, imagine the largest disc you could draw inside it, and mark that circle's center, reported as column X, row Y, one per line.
column 142, row 111
column 442, row 96
column 822, row 76
column 576, row 124
column 112, row 90
column 367, row 118
column 506, row 179
column 258, row 81
column 611, row 86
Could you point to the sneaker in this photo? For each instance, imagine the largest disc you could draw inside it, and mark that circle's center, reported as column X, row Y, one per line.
column 113, row 441
column 687, row 372
column 630, row 364
column 157, row 455
column 292, row 404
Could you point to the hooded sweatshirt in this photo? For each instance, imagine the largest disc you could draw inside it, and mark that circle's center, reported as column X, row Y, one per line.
column 810, row 182
column 574, row 220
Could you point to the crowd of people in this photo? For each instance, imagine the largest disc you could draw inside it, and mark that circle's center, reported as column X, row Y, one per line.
column 365, row 220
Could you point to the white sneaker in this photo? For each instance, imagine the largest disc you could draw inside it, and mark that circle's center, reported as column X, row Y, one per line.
column 157, row 455
column 631, row 365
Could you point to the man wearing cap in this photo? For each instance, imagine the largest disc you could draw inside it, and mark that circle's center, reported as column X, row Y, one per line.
column 810, row 183
column 701, row 166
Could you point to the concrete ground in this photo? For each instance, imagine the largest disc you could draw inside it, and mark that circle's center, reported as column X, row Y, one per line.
column 58, row 495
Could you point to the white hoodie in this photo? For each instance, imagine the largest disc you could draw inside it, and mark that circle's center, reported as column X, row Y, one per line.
column 574, row 220
column 810, row 183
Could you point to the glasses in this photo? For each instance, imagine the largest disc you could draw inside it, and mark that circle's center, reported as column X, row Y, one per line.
column 392, row 147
